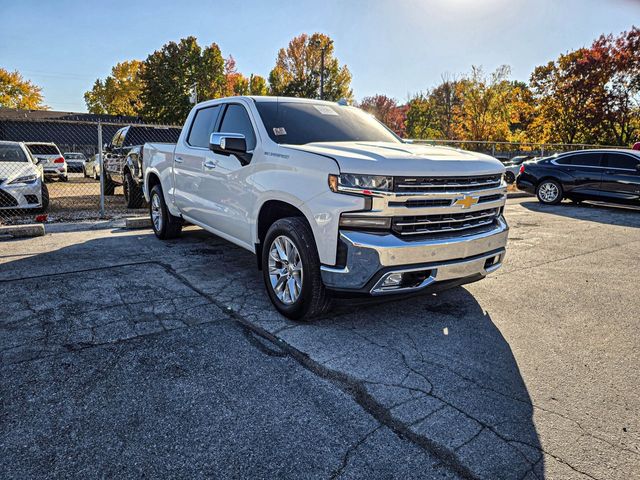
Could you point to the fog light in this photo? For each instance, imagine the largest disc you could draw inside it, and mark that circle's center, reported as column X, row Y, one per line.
column 393, row 280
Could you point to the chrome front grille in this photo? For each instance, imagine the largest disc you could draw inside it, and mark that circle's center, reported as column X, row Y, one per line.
column 444, row 223
column 446, row 184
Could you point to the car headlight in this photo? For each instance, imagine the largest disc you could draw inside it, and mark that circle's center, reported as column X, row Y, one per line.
column 25, row 179
column 354, row 183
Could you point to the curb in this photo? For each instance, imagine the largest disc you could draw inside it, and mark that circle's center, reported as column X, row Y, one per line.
column 22, row 231
column 132, row 223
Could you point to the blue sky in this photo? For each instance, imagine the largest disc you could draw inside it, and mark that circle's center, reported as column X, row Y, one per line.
column 392, row 47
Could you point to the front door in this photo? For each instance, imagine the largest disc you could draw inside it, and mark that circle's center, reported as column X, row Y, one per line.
column 621, row 179
column 230, row 197
column 585, row 168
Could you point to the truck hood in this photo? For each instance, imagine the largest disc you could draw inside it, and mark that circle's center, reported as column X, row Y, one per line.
column 399, row 159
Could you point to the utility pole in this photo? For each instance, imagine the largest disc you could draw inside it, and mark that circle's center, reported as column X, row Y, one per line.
column 323, row 50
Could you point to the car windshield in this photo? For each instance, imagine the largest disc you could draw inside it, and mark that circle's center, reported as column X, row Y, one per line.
column 12, row 153
column 73, row 156
column 298, row 123
column 39, row 149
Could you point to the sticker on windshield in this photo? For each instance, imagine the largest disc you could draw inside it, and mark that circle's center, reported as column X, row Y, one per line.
column 325, row 110
column 279, row 131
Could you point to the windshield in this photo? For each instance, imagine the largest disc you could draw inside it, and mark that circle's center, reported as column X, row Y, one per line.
column 12, row 153
column 74, row 156
column 297, row 123
column 40, row 149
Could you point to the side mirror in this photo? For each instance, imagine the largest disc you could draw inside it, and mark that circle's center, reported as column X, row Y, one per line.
column 230, row 144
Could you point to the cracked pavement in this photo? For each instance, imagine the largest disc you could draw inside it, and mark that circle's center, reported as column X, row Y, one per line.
column 121, row 355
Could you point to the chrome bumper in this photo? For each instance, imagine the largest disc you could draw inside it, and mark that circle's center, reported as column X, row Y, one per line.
column 371, row 258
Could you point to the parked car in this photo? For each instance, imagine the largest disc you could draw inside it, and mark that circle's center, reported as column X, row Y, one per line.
column 21, row 179
column 512, row 168
column 75, row 162
column 53, row 163
column 92, row 167
column 610, row 175
column 329, row 200
column 124, row 165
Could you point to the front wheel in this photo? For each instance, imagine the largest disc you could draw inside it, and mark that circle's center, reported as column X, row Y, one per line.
column 509, row 177
column 291, row 270
column 165, row 225
column 549, row 192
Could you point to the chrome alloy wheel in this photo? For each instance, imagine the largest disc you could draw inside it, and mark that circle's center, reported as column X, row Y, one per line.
column 285, row 270
column 548, row 192
column 156, row 212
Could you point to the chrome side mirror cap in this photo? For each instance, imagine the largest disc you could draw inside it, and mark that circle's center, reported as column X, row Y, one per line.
column 230, row 144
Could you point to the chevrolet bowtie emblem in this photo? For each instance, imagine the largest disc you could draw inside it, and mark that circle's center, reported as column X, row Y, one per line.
column 466, row 201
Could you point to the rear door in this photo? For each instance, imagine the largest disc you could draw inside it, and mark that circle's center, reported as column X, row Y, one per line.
column 190, row 154
column 585, row 168
column 621, row 178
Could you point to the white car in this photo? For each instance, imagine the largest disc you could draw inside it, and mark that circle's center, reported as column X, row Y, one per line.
column 53, row 162
column 329, row 200
column 75, row 162
column 21, row 179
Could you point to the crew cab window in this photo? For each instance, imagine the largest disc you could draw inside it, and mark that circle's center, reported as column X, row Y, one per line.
column 236, row 120
column 581, row 160
column 620, row 160
column 203, row 124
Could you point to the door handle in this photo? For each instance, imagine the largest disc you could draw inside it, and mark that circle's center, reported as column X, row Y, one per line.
column 209, row 164
column 179, row 160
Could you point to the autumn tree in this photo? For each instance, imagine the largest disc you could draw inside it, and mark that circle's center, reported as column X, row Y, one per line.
column 170, row 74
column 16, row 92
column 421, row 118
column 386, row 110
column 258, row 85
column 119, row 93
column 297, row 70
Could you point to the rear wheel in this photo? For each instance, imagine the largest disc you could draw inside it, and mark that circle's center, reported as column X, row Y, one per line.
column 165, row 225
column 132, row 192
column 549, row 192
column 291, row 270
column 109, row 186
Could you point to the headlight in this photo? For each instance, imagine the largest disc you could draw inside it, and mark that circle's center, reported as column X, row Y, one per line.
column 25, row 179
column 351, row 182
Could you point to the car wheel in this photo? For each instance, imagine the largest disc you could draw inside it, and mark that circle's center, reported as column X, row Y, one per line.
column 109, row 186
column 45, row 198
column 95, row 174
column 549, row 192
column 165, row 225
column 509, row 177
column 64, row 178
column 84, row 172
column 291, row 270
column 132, row 193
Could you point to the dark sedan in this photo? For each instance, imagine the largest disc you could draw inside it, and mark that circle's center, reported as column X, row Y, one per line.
column 608, row 175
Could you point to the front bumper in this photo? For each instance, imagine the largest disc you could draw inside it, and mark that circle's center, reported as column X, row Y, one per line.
column 21, row 195
column 371, row 258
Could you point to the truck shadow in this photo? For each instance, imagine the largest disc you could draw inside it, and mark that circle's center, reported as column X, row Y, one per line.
column 435, row 367
column 610, row 214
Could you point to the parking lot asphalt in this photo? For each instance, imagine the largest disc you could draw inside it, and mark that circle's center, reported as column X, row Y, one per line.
column 121, row 355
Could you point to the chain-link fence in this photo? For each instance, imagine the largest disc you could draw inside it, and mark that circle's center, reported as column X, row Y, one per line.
column 507, row 150
column 58, row 170
column 53, row 169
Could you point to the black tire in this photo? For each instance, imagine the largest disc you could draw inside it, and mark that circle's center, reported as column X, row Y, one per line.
column 95, row 174
column 132, row 192
column 84, row 172
column 509, row 177
column 45, row 199
column 64, row 178
column 170, row 225
column 313, row 299
column 109, row 186
column 548, row 185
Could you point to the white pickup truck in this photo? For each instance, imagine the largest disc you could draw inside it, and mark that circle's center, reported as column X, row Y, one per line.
column 330, row 201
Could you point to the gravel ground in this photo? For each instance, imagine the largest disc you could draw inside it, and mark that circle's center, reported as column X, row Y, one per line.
column 121, row 355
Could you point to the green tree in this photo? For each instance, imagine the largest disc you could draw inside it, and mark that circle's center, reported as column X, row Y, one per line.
column 422, row 120
column 16, row 92
column 170, row 74
column 297, row 70
column 258, row 85
column 120, row 93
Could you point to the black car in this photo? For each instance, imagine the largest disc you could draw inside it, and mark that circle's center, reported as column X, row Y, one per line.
column 608, row 175
column 123, row 165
